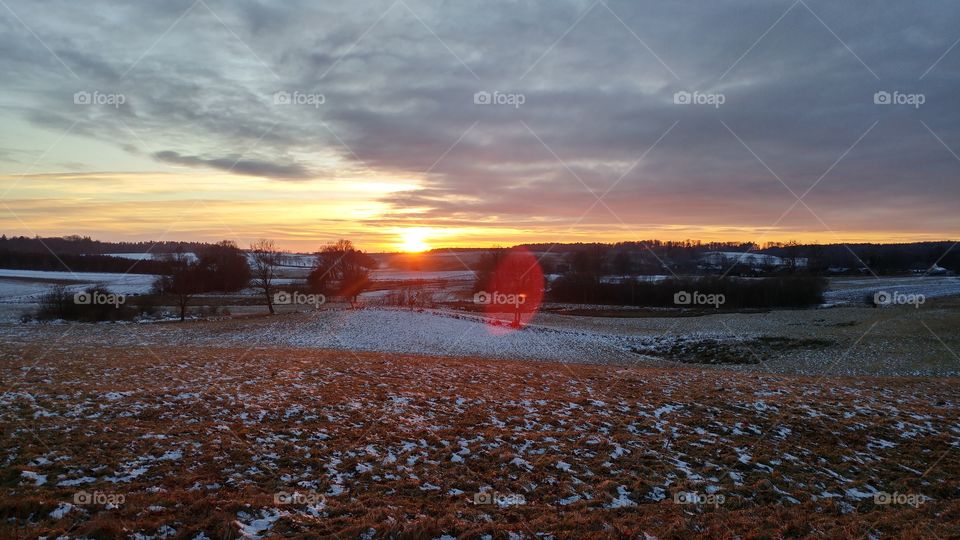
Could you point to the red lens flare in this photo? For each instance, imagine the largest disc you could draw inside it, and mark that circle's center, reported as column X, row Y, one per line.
column 513, row 291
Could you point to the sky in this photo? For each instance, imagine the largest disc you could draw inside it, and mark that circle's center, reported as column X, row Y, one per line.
column 408, row 124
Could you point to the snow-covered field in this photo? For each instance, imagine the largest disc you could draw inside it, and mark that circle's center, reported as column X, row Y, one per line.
column 290, row 259
column 147, row 256
column 434, row 332
column 388, row 422
column 901, row 341
column 218, row 443
column 410, row 275
column 27, row 285
column 854, row 290
column 21, row 291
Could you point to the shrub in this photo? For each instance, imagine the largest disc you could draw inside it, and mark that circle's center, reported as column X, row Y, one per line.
column 88, row 306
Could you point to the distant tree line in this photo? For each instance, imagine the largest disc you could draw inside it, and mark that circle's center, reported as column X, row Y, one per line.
column 738, row 293
column 84, row 245
column 64, row 262
column 647, row 257
column 599, row 274
column 651, row 257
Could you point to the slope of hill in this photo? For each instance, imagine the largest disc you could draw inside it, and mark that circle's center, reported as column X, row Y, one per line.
column 373, row 444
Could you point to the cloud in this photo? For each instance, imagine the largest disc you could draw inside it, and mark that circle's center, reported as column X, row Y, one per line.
column 238, row 165
column 398, row 83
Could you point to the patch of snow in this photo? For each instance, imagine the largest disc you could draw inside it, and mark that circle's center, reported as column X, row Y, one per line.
column 252, row 527
column 623, row 499
column 61, row 510
column 38, row 479
column 77, row 481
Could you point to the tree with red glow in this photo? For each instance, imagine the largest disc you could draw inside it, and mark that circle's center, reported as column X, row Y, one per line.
column 510, row 281
column 341, row 270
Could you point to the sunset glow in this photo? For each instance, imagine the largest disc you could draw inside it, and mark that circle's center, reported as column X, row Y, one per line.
column 310, row 144
column 414, row 241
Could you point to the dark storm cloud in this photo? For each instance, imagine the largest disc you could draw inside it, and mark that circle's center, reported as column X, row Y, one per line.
column 398, row 80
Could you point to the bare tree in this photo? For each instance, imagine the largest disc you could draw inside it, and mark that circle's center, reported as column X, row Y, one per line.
column 792, row 249
column 514, row 274
column 265, row 258
column 183, row 280
column 223, row 267
column 341, row 270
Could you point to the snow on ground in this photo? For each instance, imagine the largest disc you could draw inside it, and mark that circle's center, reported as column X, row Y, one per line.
column 217, row 433
column 147, row 256
column 621, row 279
column 254, row 528
column 22, row 285
column 21, row 291
column 843, row 341
column 434, row 332
column 854, row 291
column 290, row 259
column 85, row 277
column 411, row 275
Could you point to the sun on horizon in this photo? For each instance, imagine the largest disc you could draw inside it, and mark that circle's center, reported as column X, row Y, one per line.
column 414, row 240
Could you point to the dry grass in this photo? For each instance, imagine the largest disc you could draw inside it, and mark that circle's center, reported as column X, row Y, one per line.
column 215, row 433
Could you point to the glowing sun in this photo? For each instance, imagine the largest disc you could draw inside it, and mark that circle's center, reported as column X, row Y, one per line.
column 414, row 240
